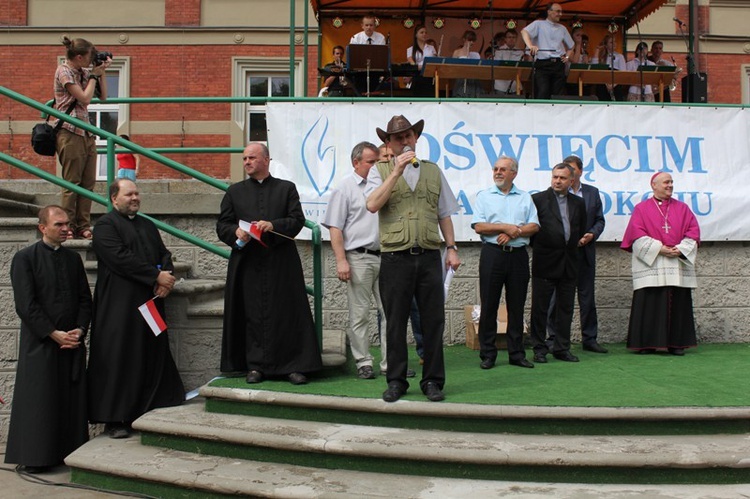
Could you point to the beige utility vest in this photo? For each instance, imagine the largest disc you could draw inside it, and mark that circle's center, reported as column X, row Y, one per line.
column 410, row 218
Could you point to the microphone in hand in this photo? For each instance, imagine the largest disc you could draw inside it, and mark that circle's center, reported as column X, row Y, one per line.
column 414, row 161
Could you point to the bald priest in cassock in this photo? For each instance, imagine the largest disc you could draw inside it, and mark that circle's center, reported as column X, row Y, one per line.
column 663, row 236
column 268, row 326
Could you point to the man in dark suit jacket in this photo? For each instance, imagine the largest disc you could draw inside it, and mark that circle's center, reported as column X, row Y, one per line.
column 554, row 267
column 587, row 268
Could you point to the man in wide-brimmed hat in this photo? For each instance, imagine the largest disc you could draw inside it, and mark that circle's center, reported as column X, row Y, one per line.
column 412, row 199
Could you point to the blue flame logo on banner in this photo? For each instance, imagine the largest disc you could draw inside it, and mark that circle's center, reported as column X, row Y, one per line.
column 319, row 161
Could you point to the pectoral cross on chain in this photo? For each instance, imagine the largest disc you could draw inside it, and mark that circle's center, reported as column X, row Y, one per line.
column 666, row 226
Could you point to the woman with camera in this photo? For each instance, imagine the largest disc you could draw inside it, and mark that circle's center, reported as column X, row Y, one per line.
column 78, row 80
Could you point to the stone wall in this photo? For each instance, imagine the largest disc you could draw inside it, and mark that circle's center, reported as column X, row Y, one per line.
column 721, row 310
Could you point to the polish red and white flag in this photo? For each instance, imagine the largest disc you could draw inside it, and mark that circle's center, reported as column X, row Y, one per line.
column 152, row 316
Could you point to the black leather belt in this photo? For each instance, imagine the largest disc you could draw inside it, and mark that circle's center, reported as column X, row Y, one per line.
column 506, row 248
column 551, row 59
column 414, row 250
column 367, row 251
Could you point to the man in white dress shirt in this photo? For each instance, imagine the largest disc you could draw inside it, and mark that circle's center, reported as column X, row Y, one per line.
column 356, row 244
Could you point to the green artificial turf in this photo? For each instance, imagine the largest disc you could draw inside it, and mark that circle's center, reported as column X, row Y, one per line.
column 712, row 375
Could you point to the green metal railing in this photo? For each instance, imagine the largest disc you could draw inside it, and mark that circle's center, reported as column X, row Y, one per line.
column 316, row 290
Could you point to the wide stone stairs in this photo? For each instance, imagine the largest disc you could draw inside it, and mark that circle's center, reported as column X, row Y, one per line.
column 259, row 443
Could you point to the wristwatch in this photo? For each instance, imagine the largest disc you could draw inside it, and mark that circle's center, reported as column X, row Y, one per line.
column 452, row 246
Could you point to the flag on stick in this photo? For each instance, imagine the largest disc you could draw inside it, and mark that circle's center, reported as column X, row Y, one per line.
column 254, row 231
column 152, row 316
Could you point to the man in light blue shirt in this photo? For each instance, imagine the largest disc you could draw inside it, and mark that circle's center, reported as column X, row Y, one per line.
column 506, row 218
column 551, row 46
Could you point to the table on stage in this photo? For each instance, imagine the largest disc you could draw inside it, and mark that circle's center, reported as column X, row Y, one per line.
column 590, row 74
column 475, row 69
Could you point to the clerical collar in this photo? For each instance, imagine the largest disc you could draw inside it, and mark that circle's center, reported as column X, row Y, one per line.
column 660, row 201
column 132, row 217
column 563, row 195
column 50, row 246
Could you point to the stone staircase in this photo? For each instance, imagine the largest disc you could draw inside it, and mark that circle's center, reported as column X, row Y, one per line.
column 17, row 204
column 258, row 443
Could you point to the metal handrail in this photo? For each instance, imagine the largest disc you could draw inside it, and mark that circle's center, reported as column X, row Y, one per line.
column 316, row 290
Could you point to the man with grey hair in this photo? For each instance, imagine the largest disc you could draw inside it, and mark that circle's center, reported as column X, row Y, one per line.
column 505, row 217
column 554, row 268
column 356, row 245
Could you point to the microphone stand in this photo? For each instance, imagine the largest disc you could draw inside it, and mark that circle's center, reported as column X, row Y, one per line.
column 612, row 76
column 368, row 77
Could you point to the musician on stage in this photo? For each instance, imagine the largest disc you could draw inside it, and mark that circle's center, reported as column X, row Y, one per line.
column 551, row 45
column 337, row 83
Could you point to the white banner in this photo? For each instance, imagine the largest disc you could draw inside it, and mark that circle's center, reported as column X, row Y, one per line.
column 706, row 150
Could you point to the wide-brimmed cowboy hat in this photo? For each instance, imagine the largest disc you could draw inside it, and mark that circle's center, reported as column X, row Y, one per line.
column 400, row 124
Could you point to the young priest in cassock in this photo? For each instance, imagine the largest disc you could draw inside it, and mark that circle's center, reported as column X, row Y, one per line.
column 663, row 235
column 52, row 297
column 268, row 326
column 131, row 370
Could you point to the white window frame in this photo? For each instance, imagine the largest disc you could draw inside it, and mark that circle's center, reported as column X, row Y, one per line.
column 244, row 67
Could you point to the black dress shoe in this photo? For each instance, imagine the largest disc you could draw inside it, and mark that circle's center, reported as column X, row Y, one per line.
column 594, row 347
column 540, row 358
column 677, row 351
column 565, row 356
column 523, row 363
column 646, row 351
column 117, row 430
column 433, row 392
column 393, row 393
column 254, row 377
column 297, row 379
column 487, row 364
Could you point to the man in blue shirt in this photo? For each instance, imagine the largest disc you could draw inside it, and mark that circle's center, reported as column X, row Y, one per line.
column 551, row 46
column 505, row 217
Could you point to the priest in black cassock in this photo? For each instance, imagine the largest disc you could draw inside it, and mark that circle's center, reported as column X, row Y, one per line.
column 52, row 297
column 268, row 326
column 131, row 370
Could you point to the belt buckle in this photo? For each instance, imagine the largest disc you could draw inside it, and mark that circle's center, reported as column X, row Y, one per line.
column 506, row 248
column 416, row 250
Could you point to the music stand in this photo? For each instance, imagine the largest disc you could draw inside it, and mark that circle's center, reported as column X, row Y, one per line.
column 368, row 58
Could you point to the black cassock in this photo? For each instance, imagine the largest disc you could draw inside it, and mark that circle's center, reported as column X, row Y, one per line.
column 48, row 417
column 130, row 371
column 268, row 325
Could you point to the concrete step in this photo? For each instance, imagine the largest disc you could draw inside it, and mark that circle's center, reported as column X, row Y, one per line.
column 23, row 197
column 127, row 465
column 11, row 207
column 477, row 417
column 481, row 456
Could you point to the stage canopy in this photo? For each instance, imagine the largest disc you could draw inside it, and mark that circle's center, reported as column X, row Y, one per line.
column 627, row 12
